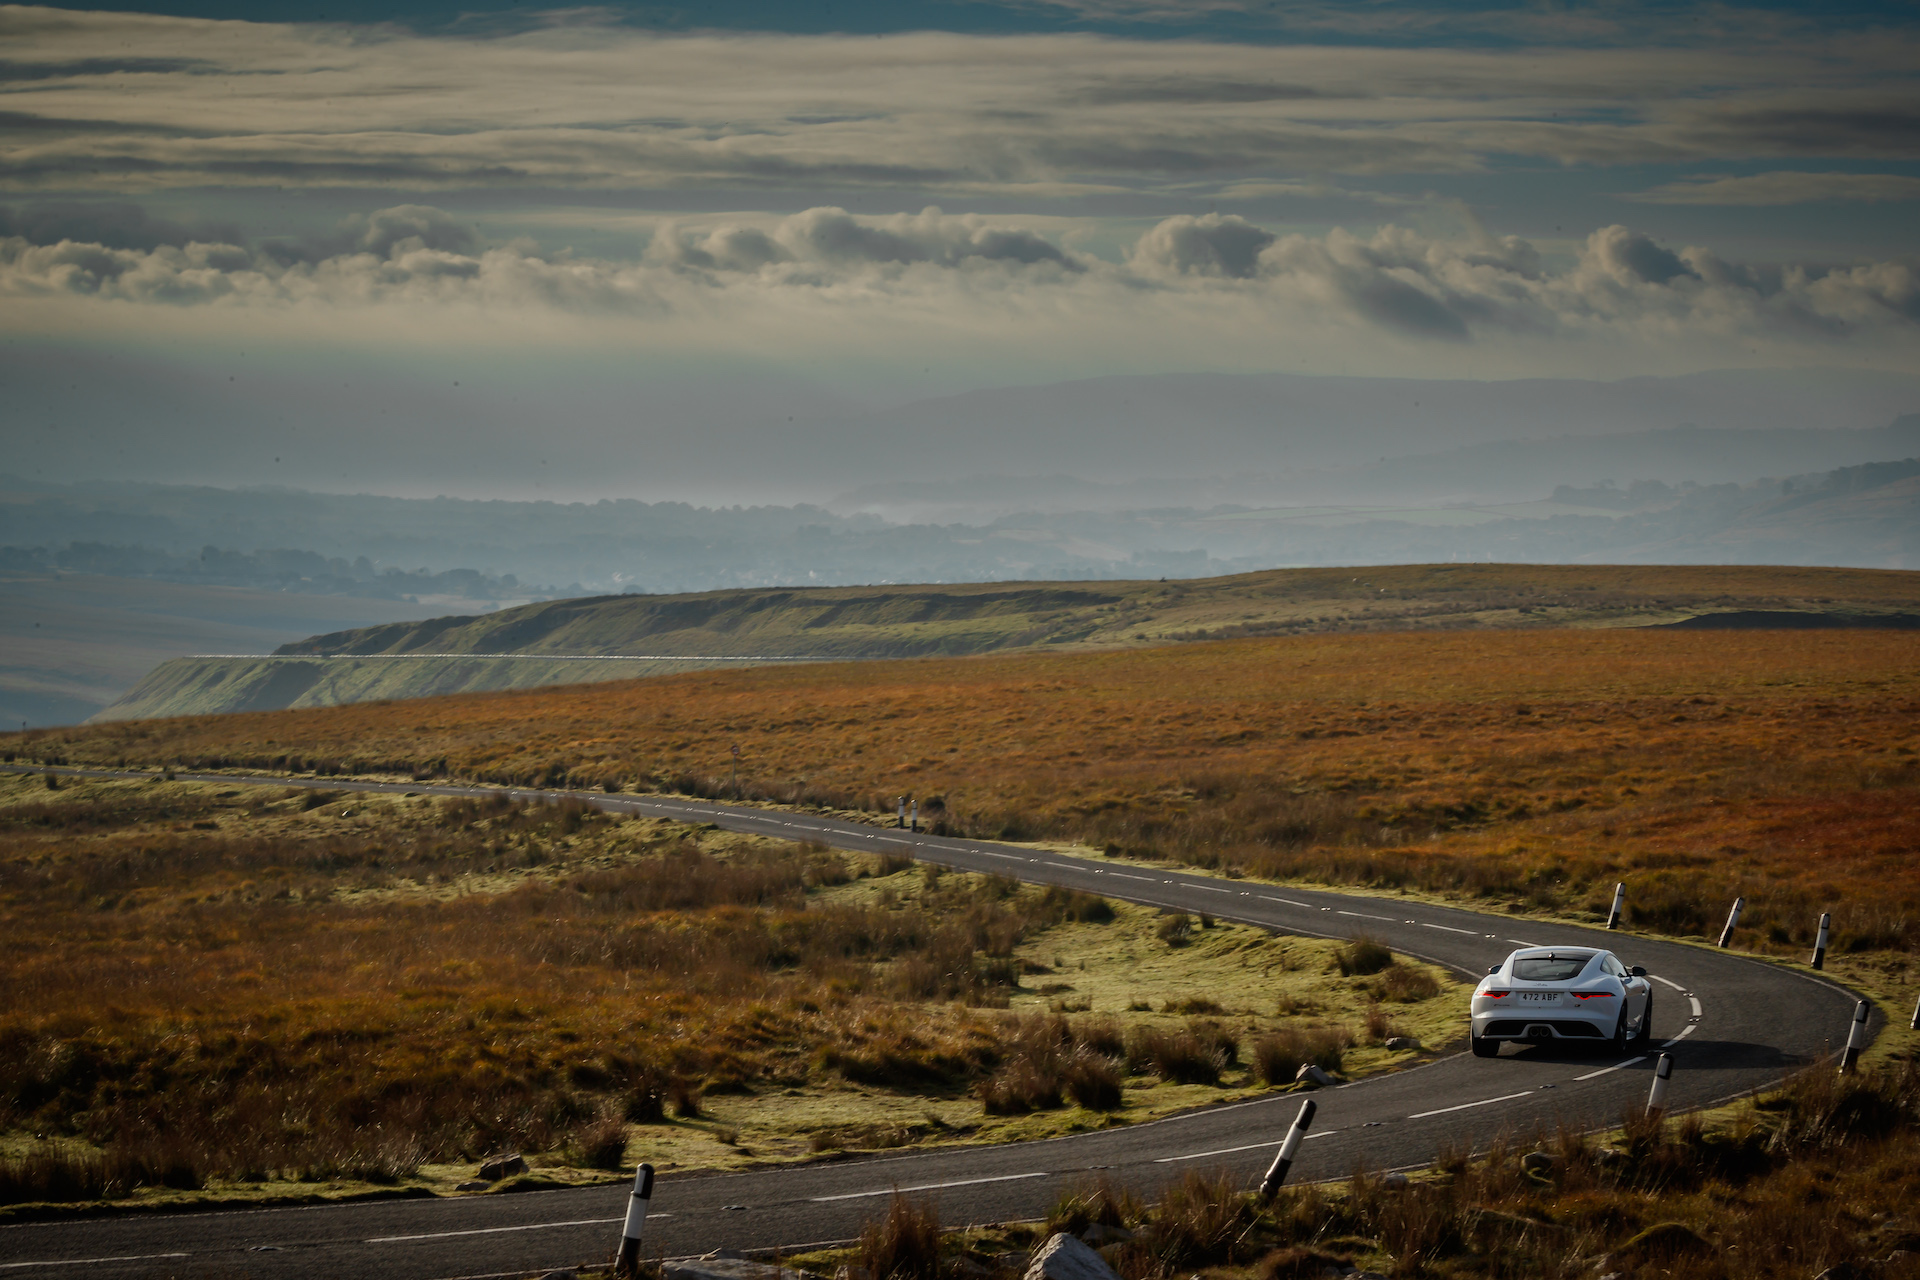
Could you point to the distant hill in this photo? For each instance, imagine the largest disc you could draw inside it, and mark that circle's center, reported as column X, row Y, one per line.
column 577, row 640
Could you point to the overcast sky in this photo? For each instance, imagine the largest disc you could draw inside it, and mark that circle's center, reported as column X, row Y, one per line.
column 378, row 245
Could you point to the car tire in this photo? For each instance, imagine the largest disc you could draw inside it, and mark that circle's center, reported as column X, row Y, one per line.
column 1620, row 1040
column 1645, row 1034
column 1484, row 1046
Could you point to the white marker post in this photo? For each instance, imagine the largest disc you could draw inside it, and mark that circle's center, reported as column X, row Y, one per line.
column 1619, row 898
column 1856, row 1038
column 636, row 1219
column 900, row 820
column 916, row 817
column 1657, row 1100
column 1284, row 1161
column 1820, row 943
column 1733, row 918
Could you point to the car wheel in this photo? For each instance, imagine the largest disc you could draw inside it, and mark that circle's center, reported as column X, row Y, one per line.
column 1484, row 1046
column 1620, row 1033
column 1645, row 1034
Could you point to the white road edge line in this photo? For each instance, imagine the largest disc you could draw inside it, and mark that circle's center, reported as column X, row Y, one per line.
column 1251, row 1146
column 1669, row 981
column 1484, row 1102
column 927, row 1186
column 1595, row 1075
column 488, row 1231
column 82, row 1262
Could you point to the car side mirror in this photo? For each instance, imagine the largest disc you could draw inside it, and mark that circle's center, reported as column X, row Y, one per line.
column 1637, row 971
column 1493, row 968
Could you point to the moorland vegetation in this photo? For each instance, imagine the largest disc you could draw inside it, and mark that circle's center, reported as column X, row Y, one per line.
column 1819, row 1178
column 264, row 992
column 1527, row 770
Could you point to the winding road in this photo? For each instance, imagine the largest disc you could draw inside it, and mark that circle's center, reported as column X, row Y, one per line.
column 1734, row 1025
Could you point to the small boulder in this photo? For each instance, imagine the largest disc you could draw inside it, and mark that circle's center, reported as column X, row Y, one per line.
column 474, row 1184
column 1063, row 1257
column 1540, row 1162
column 1310, row 1074
column 1403, row 1042
column 501, row 1166
column 1099, row 1235
column 1396, row 1182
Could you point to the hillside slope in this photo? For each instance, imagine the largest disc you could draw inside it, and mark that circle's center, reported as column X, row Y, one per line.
column 613, row 637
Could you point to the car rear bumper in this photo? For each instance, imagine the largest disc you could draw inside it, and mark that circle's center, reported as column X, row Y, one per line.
column 1542, row 1027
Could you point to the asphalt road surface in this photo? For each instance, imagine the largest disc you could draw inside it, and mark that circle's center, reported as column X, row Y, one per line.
column 1733, row 1024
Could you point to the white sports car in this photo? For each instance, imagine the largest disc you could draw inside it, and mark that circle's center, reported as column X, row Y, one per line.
column 1543, row 995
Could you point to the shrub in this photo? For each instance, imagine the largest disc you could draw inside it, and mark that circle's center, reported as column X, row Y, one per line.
column 1278, row 1057
column 1093, row 1083
column 1176, row 929
column 1362, row 957
column 1408, row 985
column 1083, row 1205
column 1178, row 1057
column 602, row 1144
column 904, row 1245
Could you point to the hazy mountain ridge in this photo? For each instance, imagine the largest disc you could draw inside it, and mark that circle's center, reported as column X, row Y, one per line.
column 831, row 623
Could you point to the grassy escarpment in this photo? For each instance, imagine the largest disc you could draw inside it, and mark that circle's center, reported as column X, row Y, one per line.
column 913, row 621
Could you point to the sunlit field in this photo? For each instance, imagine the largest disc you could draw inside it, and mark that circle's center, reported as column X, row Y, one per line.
column 1528, row 769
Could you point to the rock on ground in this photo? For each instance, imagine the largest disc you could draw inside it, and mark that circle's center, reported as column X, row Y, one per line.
column 1066, row 1258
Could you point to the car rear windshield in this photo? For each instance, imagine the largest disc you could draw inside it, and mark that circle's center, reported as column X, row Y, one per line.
column 1549, row 968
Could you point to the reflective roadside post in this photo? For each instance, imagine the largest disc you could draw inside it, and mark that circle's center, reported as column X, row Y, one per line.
column 916, row 817
column 736, row 771
column 1277, row 1174
column 900, row 819
column 637, row 1203
column 1657, row 1099
column 1856, row 1038
column 1733, row 918
column 1619, row 897
column 1820, row 943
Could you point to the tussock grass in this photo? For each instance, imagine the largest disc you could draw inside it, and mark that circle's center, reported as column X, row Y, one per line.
column 1823, row 1174
column 1526, row 769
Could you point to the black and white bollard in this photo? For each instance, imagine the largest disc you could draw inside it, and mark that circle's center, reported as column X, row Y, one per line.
column 636, row 1220
column 1820, row 942
column 1619, row 899
column 901, row 819
column 1856, row 1038
column 1733, row 918
column 916, row 817
column 1657, row 1099
column 1284, row 1161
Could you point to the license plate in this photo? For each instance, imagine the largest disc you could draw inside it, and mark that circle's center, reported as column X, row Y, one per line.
column 1540, row 997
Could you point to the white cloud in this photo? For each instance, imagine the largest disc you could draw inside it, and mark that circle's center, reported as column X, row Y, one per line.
column 923, row 276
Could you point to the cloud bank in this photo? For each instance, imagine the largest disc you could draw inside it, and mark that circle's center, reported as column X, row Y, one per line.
column 915, row 269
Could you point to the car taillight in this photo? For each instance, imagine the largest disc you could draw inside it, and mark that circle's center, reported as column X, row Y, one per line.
column 1494, row 995
column 1593, row 995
